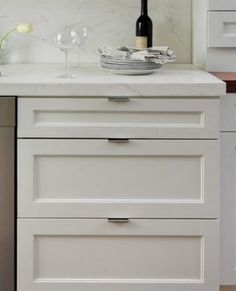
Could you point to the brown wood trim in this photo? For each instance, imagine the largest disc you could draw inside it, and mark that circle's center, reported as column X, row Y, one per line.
column 228, row 288
column 231, row 87
column 229, row 79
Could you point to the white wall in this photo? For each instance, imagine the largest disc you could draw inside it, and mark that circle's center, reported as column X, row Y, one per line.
column 112, row 22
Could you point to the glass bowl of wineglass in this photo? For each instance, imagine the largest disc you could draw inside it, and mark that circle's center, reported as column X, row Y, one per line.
column 67, row 40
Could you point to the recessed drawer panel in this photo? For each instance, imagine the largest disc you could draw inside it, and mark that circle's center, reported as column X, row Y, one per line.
column 97, row 255
column 222, row 29
column 222, row 4
column 117, row 118
column 228, row 113
column 102, row 178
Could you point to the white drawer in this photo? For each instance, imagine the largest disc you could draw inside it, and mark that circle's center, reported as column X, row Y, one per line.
column 221, row 4
column 97, row 255
column 101, row 118
column 228, row 113
column 98, row 178
column 222, row 29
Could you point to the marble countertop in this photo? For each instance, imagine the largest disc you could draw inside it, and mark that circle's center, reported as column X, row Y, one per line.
column 42, row 80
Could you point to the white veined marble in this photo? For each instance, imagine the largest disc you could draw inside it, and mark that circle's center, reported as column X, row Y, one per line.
column 171, row 80
column 111, row 22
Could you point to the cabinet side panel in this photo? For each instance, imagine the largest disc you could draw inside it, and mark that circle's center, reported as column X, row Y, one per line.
column 199, row 35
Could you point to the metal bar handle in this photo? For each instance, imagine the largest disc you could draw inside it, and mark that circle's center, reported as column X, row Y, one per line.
column 118, row 140
column 118, row 220
column 118, row 99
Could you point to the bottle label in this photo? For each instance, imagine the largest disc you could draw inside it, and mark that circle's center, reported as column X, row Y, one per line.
column 141, row 42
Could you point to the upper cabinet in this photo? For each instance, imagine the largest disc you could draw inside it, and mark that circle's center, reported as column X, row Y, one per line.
column 222, row 4
column 214, row 35
column 222, row 29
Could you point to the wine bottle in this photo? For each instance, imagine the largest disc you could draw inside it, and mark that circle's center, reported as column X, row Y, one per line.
column 144, row 27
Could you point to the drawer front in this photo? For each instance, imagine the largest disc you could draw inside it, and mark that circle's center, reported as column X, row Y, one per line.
column 112, row 118
column 228, row 113
column 97, row 255
column 101, row 178
column 222, row 29
column 221, row 4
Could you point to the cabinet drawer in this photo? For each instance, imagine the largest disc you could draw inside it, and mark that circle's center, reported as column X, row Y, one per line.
column 103, row 118
column 222, row 29
column 97, row 255
column 100, row 178
column 228, row 113
column 222, row 4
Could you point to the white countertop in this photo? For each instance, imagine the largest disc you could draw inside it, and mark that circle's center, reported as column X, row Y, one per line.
column 42, row 80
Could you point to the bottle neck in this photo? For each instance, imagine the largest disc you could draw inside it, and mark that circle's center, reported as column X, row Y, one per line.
column 144, row 7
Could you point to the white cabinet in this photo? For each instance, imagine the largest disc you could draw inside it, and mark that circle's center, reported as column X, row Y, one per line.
column 228, row 209
column 102, row 178
column 97, row 255
column 228, row 190
column 118, row 196
column 228, row 113
column 222, row 29
column 117, row 118
column 222, row 5
column 214, row 35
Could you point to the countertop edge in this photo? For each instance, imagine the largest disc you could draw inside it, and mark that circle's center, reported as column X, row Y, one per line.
column 40, row 80
column 103, row 90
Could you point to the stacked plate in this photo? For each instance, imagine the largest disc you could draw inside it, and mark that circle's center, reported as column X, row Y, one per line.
column 128, row 66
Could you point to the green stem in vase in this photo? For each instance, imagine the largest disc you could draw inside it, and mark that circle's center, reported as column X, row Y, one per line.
column 3, row 40
column 20, row 28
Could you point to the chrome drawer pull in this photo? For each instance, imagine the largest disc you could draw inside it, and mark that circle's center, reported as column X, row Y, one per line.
column 118, row 140
column 118, row 220
column 118, row 99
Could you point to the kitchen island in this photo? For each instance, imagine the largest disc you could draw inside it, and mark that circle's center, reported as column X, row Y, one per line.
column 118, row 179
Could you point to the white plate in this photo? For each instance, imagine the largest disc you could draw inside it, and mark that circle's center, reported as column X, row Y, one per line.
column 130, row 67
column 130, row 72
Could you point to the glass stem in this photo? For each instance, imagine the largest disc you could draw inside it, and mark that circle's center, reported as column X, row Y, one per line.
column 66, row 64
column 79, row 58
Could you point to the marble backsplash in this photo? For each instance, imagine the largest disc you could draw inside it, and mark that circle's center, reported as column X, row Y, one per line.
column 111, row 22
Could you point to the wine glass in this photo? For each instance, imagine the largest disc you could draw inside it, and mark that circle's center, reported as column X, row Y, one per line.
column 83, row 35
column 67, row 40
